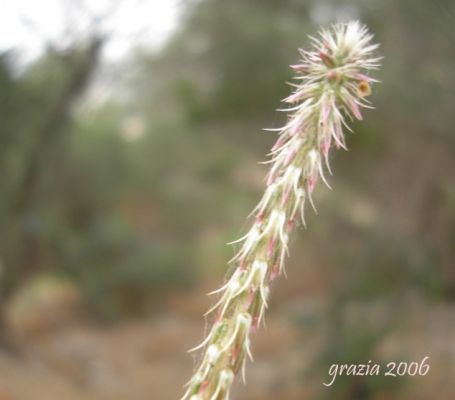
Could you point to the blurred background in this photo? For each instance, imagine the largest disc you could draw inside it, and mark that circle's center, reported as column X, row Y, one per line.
column 130, row 137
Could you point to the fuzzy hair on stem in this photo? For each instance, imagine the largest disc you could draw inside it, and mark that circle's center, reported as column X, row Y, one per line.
column 332, row 83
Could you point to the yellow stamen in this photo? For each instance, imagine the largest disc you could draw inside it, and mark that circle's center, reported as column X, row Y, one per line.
column 363, row 89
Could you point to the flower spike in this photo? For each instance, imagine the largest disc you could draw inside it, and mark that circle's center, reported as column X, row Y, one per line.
column 333, row 84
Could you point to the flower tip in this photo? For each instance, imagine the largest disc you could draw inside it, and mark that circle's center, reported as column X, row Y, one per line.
column 298, row 67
